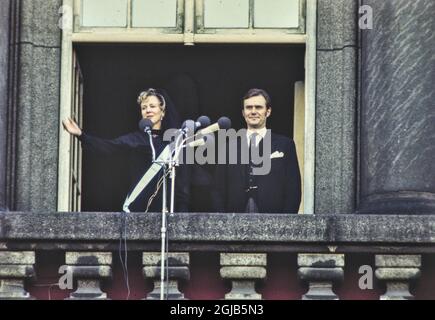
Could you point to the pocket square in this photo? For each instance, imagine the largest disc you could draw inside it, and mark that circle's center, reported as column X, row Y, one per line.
column 277, row 154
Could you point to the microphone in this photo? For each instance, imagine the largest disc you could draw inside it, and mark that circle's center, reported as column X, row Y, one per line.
column 145, row 125
column 190, row 125
column 198, row 142
column 222, row 123
column 202, row 122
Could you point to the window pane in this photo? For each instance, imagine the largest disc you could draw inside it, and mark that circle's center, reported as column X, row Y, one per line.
column 154, row 13
column 276, row 14
column 226, row 13
column 104, row 13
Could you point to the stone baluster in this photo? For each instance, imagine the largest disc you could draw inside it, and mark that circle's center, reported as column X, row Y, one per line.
column 244, row 270
column 321, row 271
column 89, row 269
column 15, row 269
column 178, row 269
column 397, row 271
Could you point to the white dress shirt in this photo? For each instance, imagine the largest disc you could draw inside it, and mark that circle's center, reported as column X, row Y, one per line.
column 261, row 133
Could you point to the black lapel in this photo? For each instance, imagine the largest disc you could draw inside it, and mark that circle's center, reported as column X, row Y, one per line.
column 269, row 135
column 273, row 142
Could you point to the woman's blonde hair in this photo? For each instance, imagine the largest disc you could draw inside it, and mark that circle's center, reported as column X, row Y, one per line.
column 152, row 92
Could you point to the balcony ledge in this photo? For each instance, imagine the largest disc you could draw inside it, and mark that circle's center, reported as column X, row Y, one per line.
column 217, row 231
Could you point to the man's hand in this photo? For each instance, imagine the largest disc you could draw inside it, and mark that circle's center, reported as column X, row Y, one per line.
column 72, row 127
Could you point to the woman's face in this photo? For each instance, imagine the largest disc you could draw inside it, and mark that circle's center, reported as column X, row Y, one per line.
column 151, row 109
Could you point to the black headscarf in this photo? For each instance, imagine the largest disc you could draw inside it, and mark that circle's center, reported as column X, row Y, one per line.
column 172, row 117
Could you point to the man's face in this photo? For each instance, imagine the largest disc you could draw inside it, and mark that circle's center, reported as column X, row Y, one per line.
column 255, row 112
column 150, row 109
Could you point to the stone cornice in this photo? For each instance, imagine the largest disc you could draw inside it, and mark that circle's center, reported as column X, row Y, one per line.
column 222, row 228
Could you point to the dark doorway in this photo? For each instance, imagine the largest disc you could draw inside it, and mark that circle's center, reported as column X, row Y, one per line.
column 202, row 80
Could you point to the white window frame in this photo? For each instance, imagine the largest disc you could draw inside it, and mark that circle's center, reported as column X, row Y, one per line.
column 188, row 37
column 201, row 29
column 78, row 28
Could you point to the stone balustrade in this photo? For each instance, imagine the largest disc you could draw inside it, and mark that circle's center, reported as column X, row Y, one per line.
column 326, row 252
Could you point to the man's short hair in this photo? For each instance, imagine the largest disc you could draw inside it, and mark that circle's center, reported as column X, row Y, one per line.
column 258, row 92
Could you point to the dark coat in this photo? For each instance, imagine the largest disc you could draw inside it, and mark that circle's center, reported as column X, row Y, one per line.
column 137, row 146
column 277, row 192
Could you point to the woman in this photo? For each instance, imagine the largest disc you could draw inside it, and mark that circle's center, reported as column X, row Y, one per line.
column 156, row 106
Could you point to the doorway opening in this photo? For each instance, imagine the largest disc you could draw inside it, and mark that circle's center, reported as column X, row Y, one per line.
column 201, row 80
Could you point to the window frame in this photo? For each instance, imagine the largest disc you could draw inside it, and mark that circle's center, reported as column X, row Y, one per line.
column 189, row 37
column 201, row 29
column 78, row 16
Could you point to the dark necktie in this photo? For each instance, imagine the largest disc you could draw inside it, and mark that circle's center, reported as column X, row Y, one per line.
column 251, row 189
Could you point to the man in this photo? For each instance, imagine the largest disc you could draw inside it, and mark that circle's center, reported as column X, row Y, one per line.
column 239, row 189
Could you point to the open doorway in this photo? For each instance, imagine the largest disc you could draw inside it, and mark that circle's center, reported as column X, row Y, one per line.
column 202, row 80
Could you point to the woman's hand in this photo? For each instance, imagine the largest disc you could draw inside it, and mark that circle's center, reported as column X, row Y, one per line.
column 72, row 127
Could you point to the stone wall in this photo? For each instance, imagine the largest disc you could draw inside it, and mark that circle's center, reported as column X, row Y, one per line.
column 337, row 52
column 38, row 106
column 4, row 51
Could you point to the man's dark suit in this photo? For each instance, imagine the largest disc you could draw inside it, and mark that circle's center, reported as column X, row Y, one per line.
column 277, row 192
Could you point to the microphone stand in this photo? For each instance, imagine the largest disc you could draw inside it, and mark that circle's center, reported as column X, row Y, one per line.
column 168, row 165
column 163, row 164
column 163, row 237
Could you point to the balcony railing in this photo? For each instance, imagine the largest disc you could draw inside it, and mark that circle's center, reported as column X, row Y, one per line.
column 215, row 256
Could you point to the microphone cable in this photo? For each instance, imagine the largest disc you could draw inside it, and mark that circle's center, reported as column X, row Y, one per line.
column 123, row 241
column 159, row 185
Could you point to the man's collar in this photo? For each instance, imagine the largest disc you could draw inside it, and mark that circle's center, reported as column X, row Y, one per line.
column 261, row 132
